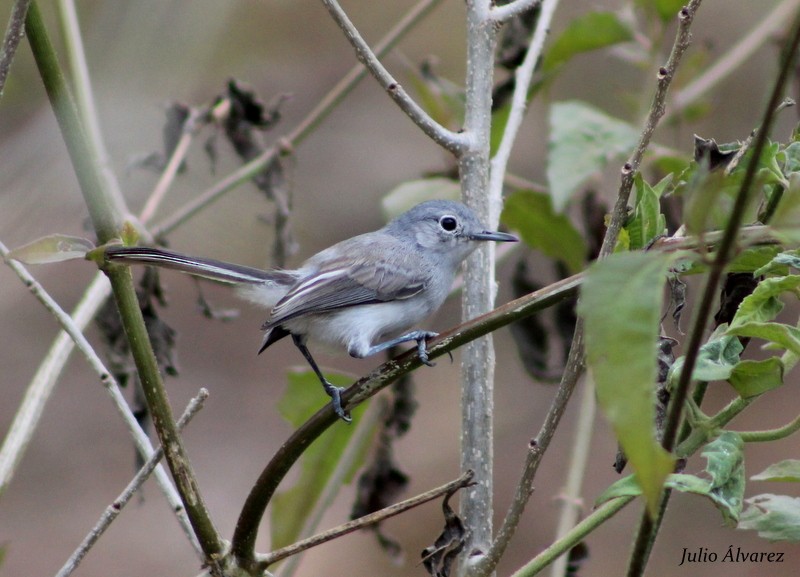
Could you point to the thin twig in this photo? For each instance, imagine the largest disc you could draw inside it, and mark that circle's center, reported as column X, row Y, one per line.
column 452, row 141
column 571, row 502
column 599, row 516
column 11, row 39
column 113, row 510
column 657, row 107
column 506, row 12
column 522, row 81
column 190, row 127
column 30, row 411
column 328, row 103
column 265, row 561
column 734, row 58
column 344, row 465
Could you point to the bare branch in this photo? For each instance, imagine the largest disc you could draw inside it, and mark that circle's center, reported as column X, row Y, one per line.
column 113, row 510
column 452, row 141
column 519, row 101
column 306, row 126
column 508, row 11
column 13, row 35
column 38, row 393
column 367, row 520
column 734, row 58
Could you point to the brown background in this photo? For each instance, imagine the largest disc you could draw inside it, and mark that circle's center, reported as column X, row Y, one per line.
column 144, row 54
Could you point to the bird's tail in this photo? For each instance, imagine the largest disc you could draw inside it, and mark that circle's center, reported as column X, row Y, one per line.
column 202, row 267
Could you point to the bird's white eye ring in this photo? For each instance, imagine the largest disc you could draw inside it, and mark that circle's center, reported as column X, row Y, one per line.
column 448, row 223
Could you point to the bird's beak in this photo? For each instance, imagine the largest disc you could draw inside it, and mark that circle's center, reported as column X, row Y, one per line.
column 491, row 235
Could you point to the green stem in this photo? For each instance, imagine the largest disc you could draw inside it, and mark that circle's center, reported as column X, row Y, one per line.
column 105, row 216
column 102, row 209
column 599, row 516
column 161, row 412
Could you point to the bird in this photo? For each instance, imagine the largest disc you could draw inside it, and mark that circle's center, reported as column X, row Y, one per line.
column 362, row 295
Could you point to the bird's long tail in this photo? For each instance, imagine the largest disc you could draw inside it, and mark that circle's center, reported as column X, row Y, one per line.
column 203, row 267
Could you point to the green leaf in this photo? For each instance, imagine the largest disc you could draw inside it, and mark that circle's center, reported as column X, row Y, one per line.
column 725, row 466
column 780, row 263
column 583, row 140
column 752, row 378
column 291, row 507
column 784, row 336
column 763, row 304
column 791, row 158
column 621, row 302
column 587, row 32
column 709, row 199
column 786, row 218
column 783, row 471
column 724, row 486
column 715, row 360
column 775, row 517
column 647, row 221
column 666, row 9
column 412, row 192
column 753, row 259
column 625, row 487
column 52, row 248
column 531, row 214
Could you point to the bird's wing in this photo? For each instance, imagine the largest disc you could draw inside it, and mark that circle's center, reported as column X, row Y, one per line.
column 354, row 273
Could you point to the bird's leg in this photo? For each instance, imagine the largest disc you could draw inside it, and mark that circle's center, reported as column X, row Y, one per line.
column 419, row 336
column 334, row 392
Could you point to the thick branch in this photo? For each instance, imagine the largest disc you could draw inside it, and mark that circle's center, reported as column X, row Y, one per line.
column 244, row 537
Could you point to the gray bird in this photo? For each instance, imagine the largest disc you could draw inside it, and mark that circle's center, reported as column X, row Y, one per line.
column 363, row 294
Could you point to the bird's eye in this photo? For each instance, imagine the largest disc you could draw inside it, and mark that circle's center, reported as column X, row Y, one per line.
column 448, row 223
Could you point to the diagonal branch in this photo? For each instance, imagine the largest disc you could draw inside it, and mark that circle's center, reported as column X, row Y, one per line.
column 452, row 141
column 506, row 12
column 302, row 130
column 265, row 561
column 11, row 39
column 113, row 510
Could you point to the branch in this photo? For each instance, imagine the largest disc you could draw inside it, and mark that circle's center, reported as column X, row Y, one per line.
column 106, row 220
column 86, row 107
column 648, row 526
column 100, row 202
column 27, row 418
column 11, row 39
column 519, row 100
column 734, row 58
column 447, row 139
column 265, row 561
column 314, row 118
column 599, row 516
column 657, row 107
column 244, row 537
column 113, row 510
column 504, row 13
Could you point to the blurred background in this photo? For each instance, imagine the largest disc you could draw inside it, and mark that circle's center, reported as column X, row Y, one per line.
column 144, row 55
